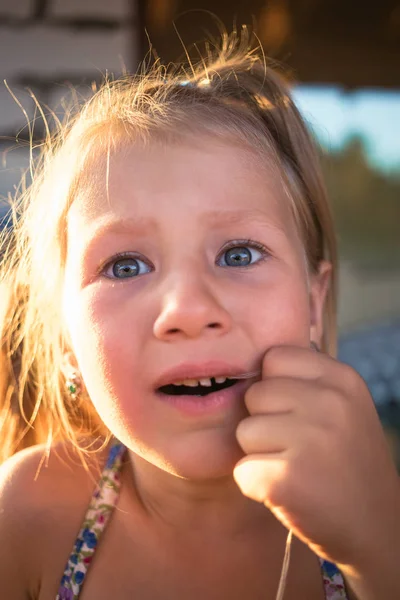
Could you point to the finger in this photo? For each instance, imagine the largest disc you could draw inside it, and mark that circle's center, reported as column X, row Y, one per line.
column 270, row 434
column 258, row 476
column 282, row 395
column 304, row 363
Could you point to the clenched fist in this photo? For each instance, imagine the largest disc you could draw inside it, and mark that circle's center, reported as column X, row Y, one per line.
column 317, row 457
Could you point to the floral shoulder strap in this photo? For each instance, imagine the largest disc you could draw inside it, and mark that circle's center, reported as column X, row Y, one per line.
column 100, row 510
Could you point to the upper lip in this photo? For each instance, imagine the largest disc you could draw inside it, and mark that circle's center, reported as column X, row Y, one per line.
column 199, row 371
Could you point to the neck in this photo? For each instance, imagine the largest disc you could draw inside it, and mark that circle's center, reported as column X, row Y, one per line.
column 191, row 506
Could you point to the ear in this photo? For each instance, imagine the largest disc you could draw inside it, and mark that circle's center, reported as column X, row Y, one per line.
column 319, row 286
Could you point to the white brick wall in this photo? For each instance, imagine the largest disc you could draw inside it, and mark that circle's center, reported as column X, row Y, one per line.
column 53, row 50
column 48, row 51
column 98, row 8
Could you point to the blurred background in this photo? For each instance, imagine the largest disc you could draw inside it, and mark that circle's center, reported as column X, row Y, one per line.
column 344, row 58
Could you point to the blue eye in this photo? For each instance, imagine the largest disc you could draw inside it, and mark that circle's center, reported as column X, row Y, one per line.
column 126, row 267
column 243, row 255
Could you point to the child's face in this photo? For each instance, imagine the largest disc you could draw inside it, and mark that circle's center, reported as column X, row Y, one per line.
column 185, row 216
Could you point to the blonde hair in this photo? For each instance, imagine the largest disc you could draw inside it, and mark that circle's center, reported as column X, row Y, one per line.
column 233, row 94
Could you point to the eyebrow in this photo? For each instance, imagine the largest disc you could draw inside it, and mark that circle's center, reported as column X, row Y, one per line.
column 217, row 217
column 138, row 225
column 142, row 226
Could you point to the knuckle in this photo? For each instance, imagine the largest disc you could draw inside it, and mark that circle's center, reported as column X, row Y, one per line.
column 254, row 397
column 244, row 432
column 350, row 379
column 274, row 356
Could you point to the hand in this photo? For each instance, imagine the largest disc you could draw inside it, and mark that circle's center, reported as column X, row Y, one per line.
column 317, row 457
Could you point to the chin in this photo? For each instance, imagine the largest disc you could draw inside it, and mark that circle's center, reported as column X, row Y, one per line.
column 202, row 457
column 204, row 454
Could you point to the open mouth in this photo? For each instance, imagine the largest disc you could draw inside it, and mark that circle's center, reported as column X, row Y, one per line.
column 197, row 387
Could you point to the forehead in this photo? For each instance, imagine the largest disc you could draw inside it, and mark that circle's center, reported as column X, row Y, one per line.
column 156, row 180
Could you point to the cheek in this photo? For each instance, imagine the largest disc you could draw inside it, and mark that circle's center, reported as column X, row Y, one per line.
column 277, row 313
column 106, row 343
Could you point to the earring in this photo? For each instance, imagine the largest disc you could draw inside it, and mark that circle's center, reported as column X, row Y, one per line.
column 73, row 384
column 73, row 379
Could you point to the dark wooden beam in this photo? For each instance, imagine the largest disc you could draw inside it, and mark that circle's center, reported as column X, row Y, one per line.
column 40, row 10
column 354, row 44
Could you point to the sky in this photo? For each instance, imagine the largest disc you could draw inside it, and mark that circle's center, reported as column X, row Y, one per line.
column 335, row 115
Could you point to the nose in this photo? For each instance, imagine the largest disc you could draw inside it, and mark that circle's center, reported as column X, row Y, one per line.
column 190, row 310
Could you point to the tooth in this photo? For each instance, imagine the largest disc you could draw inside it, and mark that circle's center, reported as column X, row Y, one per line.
column 177, row 383
column 220, row 379
column 207, row 382
column 190, row 382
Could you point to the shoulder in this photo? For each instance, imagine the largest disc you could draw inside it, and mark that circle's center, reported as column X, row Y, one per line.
column 34, row 479
column 43, row 500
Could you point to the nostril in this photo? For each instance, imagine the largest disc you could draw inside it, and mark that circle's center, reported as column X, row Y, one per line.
column 175, row 330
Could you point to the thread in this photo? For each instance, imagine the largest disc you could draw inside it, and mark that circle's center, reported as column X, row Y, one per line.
column 285, row 567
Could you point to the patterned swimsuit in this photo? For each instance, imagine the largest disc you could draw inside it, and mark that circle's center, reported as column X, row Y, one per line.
column 101, row 507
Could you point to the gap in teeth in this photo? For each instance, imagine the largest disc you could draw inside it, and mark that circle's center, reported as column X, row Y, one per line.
column 205, row 381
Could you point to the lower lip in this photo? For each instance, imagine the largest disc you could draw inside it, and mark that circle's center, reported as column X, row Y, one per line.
column 212, row 403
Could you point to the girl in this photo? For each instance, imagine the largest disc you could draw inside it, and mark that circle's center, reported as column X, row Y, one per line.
column 177, row 258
